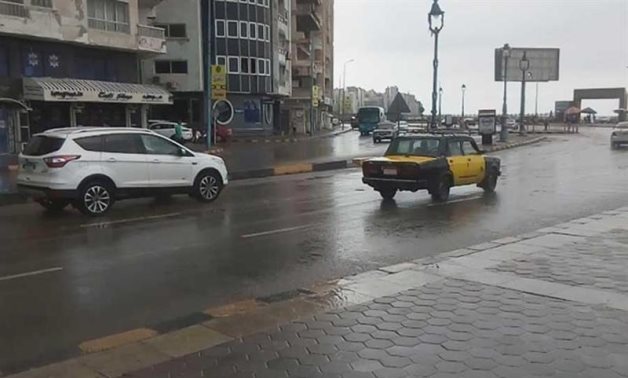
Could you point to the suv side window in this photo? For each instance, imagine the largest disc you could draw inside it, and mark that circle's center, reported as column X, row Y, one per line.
column 454, row 148
column 468, row 148
column 93, row 143
column 159, row 146
column 123, row 144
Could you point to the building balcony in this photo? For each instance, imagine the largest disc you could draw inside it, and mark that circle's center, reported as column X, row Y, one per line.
column 151, row 39
column 9, row 8
column 307, row 18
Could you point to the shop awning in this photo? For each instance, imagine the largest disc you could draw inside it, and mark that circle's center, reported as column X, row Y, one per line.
column 76, row 90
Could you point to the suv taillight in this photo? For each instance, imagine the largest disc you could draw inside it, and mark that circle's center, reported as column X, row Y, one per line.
column 369, row 168
column 60, row 161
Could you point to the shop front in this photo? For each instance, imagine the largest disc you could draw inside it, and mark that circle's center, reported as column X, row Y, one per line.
column 72, row 103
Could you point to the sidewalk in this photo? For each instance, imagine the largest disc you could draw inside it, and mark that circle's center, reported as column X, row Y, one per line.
column 548, row 303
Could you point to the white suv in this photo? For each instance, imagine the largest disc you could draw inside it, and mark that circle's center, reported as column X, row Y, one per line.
column 94, row 166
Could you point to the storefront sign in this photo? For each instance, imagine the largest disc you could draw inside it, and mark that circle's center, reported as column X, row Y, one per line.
column 45, row 89
column 315, row 95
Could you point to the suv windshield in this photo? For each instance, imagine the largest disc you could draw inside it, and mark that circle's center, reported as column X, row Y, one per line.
column 414, row 146
column 42, row 145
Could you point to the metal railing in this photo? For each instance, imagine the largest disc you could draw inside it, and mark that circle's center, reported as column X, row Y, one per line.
column 151, row 31
column 10, row 8
column 42, row 3
column 114, row 26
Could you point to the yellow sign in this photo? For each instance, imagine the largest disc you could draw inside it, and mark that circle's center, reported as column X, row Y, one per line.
column 219, row 82
column 315, row 94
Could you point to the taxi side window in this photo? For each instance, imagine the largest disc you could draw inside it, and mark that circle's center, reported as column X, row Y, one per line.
column 454, row 148
column 468, row 149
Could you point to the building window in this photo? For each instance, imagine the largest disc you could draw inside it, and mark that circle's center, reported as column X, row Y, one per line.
column 171, row 67
column 220, row 28
column 4, row 61
column 232, row 29
column 253, row 65
column 267, row 31
column 252, row 30
column 260, row 32
column 244, row 29
column 234, row 65
column 221, row 60
column 173, row 30
column 42, row 3
column 109, row 15
column 267, row 67
column 244, row 65
column 261, row 67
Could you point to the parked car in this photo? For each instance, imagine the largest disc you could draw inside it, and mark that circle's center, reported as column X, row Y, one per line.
column 436, row 162
column 92, row 167
column 385, row 130
column 166, row 128
column 619, row 135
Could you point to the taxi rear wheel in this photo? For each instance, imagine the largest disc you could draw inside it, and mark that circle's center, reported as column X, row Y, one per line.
column 388, row 194
column 490, row 182
column 440, row 190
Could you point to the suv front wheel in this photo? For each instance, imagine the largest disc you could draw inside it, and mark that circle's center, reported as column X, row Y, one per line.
column 95, row 198
column 207, row 186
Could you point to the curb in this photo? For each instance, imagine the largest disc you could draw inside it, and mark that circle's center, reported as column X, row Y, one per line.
column 217, row 325
column 285, row 169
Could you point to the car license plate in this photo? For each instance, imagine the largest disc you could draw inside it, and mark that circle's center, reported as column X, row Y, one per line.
column 390, row 171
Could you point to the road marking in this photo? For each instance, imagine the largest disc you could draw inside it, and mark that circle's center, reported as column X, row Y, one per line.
column 454, row 201
column 287, row 229
column 28, row 274
column 129, row 220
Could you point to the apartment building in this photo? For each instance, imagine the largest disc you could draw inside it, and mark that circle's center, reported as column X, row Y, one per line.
column 311, row 104
column 74, row 62
column 250, row 38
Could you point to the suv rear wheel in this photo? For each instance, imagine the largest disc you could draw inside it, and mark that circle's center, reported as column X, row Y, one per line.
column 388, row 194
column 207, row 186
column 95, row 198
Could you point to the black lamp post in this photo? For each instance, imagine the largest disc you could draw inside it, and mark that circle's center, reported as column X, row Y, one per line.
column 524, row 65
column 504, row 131
column 440, row 102
column 436, row 19
column 463, row 89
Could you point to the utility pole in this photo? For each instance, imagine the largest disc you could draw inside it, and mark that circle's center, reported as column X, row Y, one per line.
column 207, row 93
column 524, row 65
column 503, row 135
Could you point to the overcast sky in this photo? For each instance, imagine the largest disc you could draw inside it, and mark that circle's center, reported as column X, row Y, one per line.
column 391, row 45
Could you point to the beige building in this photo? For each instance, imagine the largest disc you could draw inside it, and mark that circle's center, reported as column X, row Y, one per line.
column 74, row 62
column 310, row 107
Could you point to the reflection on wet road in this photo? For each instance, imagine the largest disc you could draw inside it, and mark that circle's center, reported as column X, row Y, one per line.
column 149, row 262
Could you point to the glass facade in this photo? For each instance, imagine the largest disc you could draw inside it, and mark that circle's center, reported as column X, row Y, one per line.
column 242, row 42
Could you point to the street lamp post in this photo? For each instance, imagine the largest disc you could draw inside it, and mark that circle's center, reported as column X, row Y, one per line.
column 463, row 88
column 344, row 88
column 504, row 131
column 524, row 65
column 436, row 20
column 440, row 101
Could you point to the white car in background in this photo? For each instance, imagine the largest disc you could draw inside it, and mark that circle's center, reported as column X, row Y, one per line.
column 92, row 167
column 166, row 128
column 619, row 135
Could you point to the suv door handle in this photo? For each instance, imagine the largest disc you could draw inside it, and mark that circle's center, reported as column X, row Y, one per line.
column 111, row 159
column 469, row 159
column 156, row 161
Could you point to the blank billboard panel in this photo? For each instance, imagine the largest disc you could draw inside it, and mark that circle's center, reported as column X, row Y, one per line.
column 544, row 64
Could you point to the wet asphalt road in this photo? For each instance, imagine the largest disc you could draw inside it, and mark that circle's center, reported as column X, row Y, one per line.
column 150, row 262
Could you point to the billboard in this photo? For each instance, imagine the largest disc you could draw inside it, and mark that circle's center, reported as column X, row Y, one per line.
column 560, row 107
column 544, row 64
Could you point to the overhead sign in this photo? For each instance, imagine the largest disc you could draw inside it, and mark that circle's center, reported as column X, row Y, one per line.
column 315, row 95
column 544, row 64
column 486, row 121
column 219, row 82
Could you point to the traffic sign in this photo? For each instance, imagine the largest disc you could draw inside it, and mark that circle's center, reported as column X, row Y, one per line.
column 219, row 82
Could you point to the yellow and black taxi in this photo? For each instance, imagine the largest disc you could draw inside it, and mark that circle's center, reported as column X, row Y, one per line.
column 436, row 162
